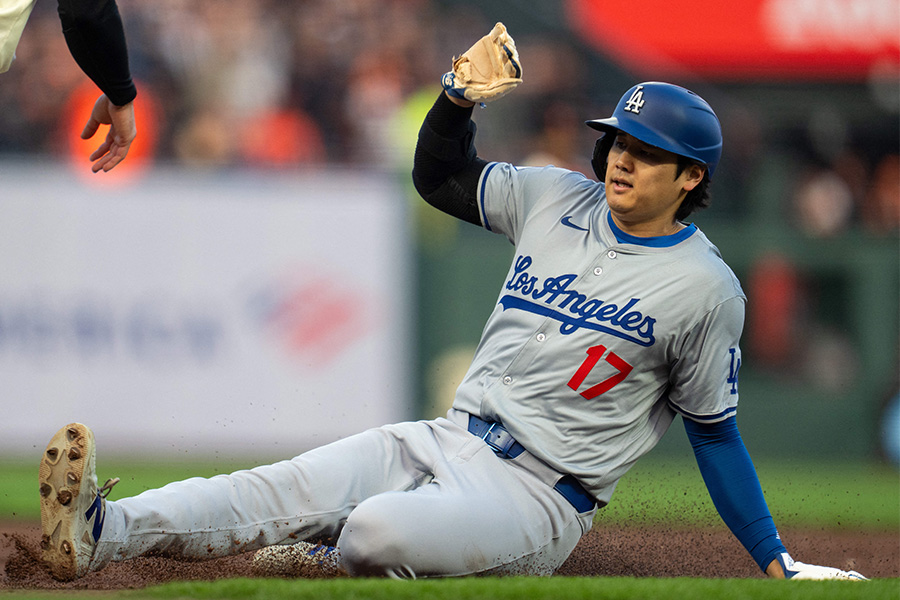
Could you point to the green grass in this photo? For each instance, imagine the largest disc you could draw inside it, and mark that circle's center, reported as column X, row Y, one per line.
column 512, row 588
column 18, row 479
column 518, row 588
column 800, row 494
column 822, row 495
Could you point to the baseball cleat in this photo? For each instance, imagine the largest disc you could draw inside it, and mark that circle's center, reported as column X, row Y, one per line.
column 72, row 506
column 297, row 560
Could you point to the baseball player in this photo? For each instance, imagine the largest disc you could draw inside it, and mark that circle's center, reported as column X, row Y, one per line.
column 615, row 317
column 96, row 39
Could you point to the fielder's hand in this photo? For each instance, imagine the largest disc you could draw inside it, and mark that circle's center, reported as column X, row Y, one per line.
column 798, row 570
column 488, row 70
column 122, row 131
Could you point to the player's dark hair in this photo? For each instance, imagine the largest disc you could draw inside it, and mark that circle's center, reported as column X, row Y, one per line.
column 697, row 199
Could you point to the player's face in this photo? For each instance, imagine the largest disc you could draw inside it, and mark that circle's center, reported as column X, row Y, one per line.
column 641, row 187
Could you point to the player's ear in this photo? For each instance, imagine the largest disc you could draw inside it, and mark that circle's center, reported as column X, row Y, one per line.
column 693, row 175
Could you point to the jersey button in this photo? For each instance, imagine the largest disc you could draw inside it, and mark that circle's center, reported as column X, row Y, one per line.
column 507, row 380
column 598, row 270
column 611, row 254
column 541, row 337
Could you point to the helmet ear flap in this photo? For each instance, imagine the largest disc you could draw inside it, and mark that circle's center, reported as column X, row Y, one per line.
column 601, row 152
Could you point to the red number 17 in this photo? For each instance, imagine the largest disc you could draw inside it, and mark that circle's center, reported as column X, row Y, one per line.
column 594, row 355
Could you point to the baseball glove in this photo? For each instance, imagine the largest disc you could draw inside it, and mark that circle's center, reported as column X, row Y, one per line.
column 488, row 70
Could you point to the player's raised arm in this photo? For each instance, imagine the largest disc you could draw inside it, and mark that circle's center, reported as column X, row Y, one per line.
column 446, row 167
column 487, row 71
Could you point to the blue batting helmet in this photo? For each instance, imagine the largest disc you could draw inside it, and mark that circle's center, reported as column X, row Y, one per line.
column 669, row 117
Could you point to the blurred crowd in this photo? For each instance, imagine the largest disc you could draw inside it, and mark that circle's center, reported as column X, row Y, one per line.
column 263, row 82
column 237, row 82
column 282, row 84
column 286, row 84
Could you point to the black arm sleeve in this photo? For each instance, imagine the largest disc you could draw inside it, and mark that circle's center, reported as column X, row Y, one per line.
column 96, row 39
column 446, row 168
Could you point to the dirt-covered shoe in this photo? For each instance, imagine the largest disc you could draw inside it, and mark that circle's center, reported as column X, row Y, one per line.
column 72, row 506
column 297, row 560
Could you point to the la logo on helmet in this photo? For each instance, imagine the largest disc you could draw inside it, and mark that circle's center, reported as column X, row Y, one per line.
column 636, row 102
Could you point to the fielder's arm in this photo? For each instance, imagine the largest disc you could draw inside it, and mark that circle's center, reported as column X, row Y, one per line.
column 96, row 39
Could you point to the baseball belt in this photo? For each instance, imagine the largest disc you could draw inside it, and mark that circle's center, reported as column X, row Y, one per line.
column 505, row 445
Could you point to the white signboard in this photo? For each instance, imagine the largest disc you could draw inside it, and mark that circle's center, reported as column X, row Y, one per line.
column 210, row 314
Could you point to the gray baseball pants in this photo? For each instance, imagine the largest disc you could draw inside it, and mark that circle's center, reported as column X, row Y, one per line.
column 416, row 499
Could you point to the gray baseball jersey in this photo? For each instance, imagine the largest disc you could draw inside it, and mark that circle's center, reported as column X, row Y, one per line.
column 596, row 341
column 598, row 338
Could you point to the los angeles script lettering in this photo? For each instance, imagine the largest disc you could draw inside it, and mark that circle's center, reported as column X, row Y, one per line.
column 573, row 309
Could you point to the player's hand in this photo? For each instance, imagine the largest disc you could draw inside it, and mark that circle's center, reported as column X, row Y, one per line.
column 488, row 70
column 797, row 570
column 122, row 131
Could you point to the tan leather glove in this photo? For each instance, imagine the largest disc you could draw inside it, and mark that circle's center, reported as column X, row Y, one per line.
column 488, row 70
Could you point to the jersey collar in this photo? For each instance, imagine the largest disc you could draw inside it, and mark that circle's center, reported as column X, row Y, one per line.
column 661, row 241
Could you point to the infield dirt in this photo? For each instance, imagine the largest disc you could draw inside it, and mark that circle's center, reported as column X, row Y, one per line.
column 639, row 551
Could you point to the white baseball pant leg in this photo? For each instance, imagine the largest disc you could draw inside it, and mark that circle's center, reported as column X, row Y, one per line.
column 415, row 499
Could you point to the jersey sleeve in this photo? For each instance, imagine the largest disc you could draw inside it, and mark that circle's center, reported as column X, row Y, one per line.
column 96, row 39
column 13, row 17
column 704, row 379
column 507, row 194
column 734, row 487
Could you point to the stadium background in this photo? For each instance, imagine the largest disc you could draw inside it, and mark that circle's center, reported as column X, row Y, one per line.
column 245, row 106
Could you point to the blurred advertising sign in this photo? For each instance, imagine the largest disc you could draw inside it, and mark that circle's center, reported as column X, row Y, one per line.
column 797, row 39
column 202, row 313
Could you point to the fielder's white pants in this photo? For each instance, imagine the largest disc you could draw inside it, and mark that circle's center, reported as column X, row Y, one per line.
column 415, row 499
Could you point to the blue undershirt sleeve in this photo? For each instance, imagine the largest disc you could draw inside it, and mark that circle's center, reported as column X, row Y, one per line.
column 734, row 487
